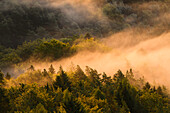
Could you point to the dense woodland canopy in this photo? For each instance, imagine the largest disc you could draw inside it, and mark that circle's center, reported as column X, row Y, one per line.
column 24, row 21
column 37, row 31
column 80, row 92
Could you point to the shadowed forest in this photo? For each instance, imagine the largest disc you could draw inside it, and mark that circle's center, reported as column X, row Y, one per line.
column 84, row 56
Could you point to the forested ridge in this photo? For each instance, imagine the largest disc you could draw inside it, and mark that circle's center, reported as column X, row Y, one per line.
column 77, row 91
column 36, row 31
column 22, row 21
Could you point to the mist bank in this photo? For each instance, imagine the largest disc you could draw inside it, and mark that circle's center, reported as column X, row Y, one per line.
column 137, row 35
column 148, row 58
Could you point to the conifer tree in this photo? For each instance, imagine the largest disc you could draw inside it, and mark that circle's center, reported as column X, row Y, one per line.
column 62, row 80
column 147, row 86
column 70, row 104
column 159, row 90
column 45, row 73
column 51, row 69
column 98, row 94
column 79, row 73
column 8, row 76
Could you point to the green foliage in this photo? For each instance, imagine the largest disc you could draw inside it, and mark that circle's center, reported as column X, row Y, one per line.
column 39, row 109
column 153, row 102
column 54, row 49
column 70, row 104
column 1, row 78
column 62, row 80
column 98, row 94
column 112, row 11
column 79, row 73
column 83, row 93
column 4, row 100
column 35, row 50
column 90, row 44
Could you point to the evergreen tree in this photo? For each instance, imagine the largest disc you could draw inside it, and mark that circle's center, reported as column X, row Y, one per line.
column 62, row 80
column 159, row 90
column 98, row 94
column 51, row 69
column 4, row 101
column 39, row 109
column 147, row 86
column 45, row 73
column 93, row 76
column 79, row 73
column 70, row 104
column 8, row 76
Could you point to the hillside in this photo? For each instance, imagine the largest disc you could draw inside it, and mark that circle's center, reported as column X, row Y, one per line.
column 84, row 56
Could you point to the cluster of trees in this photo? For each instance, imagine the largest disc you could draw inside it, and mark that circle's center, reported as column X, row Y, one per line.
column 35, row 19
column 49, row 49
column 24, row 21
column 23, row 27
column 38, row 49
column 83, row 92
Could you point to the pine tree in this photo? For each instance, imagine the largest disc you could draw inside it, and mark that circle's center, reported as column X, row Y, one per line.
column 98, row 94
column 79, row 73
column 62, row 80
column 45, row 73
column 147, row 86
column 159, row 90
column 51, row 69
column 71, row 105
column 8, row 76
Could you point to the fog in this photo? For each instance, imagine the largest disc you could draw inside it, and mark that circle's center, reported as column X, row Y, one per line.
column 149, row 58
column 147, row 53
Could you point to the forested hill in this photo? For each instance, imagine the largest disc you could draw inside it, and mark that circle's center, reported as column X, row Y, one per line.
column 27, row 20
column 36, row 33
column 33, row 28
column 77, row 91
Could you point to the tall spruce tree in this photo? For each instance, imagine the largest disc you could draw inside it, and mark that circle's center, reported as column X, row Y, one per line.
column 62, row 80
column 51, row 69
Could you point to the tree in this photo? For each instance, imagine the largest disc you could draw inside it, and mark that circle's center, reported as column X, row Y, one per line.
column 8, row 76
column 39, row 109
column 4, row 100
column 79, row 73
column 98, row 94
column 93, row 76
column 31, row 68
column 147, row 86
column 70, row 104
column 51, row 69
column 159, row 90
column 1, row 78
column 62, row 80
column 45, row 73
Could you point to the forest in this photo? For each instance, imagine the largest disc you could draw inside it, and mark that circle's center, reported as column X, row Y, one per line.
column 40, row 38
